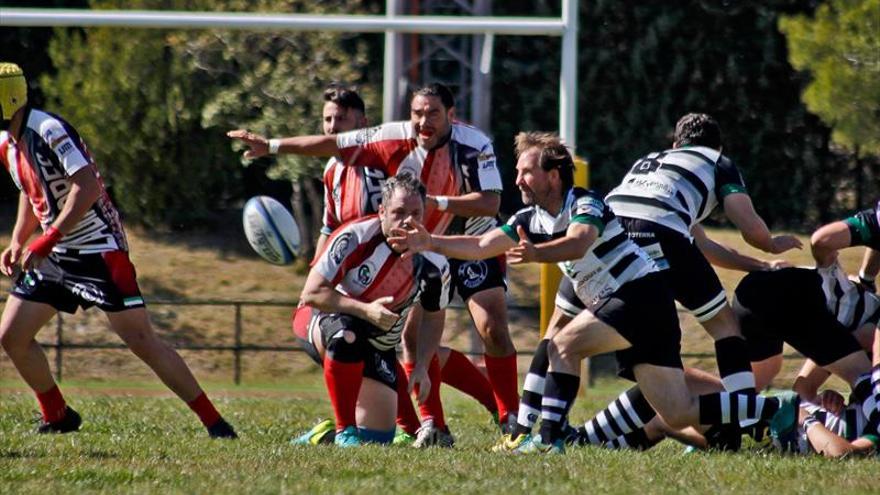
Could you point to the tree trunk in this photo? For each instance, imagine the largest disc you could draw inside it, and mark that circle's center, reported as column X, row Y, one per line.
column 305, row 226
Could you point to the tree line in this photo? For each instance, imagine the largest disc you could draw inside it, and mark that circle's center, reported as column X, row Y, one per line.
column 794, row 84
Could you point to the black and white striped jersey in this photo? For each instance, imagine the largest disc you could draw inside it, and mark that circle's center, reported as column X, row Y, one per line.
column 676, row 188
column 849, row 424
column 851, row 303
column 611, row 261
column 864, row 228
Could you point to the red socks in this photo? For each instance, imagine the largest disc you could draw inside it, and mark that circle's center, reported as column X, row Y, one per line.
column 52, row 404
column 460, row 373
column 406, row 413
column 502, row 376
column 202, row 406
column 432, row 409
column 343, row 382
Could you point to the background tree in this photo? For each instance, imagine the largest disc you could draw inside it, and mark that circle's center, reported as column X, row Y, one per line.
column 272, row 84
column 840, row 48
column 137, row 102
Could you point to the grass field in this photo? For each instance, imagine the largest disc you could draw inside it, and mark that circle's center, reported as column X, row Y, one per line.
column 147, row 442
column 138, row 438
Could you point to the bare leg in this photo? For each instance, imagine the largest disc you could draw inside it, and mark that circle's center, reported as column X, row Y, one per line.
column 19, row 325
column 376, row 406
column 134, row 327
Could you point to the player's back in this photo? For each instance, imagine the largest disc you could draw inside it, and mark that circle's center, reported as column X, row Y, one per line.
column 676, row 188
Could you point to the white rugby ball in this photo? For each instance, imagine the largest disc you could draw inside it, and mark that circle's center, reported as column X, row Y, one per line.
column 271, row 230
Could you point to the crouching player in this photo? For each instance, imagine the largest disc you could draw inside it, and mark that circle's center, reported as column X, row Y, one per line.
column 363, row 290
column 629, row 308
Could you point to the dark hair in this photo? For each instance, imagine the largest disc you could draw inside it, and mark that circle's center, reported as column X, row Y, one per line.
column 344, row 97
column 697, row 129
column 406, row 182
column 553, row 154
column 440, row 91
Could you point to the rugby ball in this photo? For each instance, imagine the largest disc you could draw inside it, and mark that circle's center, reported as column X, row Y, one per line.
column 271, row 230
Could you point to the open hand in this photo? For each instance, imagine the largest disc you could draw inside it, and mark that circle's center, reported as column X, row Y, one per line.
column 257, row 145
column 524, row 252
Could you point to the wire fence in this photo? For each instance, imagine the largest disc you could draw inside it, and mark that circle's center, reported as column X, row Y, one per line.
column 239, row 345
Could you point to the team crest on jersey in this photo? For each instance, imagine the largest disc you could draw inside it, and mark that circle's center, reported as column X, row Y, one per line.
column 473, row 273
column 365, row 274
column 340, row 248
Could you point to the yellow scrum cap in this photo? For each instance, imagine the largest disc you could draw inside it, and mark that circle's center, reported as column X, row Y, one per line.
column 13, row 89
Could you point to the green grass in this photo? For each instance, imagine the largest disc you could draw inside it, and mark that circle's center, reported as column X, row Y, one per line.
column 153, row 444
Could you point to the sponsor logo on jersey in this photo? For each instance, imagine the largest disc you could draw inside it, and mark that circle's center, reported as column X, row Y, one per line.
column 365, row 274
column 473, row 273
column 340, row 248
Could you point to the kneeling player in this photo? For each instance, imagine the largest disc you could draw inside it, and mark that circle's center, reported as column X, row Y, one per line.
column 362, row 290
column 629, row 309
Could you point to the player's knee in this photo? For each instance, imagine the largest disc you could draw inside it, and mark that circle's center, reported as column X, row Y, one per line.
column 12, row 343
column 346, row 347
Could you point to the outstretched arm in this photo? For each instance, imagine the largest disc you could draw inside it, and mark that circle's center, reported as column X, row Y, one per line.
column 739, row 209
column 474, row 204
column 463, row 247
column 299, row 145
column 577, row 240
column 726, row 257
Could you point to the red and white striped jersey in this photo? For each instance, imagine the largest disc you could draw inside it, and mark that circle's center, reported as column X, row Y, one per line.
column 465, row 163
column 361, row 265
column 349, row 193
column 41, row 163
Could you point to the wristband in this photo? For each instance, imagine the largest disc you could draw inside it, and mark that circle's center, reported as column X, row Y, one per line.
column 810, row 421
column 43, row 245
column 442, row 202
column 274, row 144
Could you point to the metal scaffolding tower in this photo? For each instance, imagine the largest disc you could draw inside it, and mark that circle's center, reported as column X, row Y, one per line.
column 460, row 62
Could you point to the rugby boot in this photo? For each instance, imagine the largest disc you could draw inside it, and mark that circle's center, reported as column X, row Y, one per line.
column 403, row 438
column 70, row 422
column 431, row 436
column 222, row 429
column 534, row 445
column 509, row 443
column 323, row 433
column 347, row 437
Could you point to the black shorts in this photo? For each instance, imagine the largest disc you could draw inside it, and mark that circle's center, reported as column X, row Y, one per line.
column 379, row 365
column 690, row 276
column 644, row 313
column 567, row 299
column 788, row 305
column 472, row 276
column 66, row 282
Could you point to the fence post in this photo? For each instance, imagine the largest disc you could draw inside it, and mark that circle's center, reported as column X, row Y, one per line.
column 237, row 350
column 59, row 334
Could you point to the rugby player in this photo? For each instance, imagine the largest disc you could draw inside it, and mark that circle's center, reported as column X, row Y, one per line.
column 80, row 260
column 457, row 164
column 661, row 202
column 823, row 315
column 362, row 290
column 628, row 307
column 354, row 192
